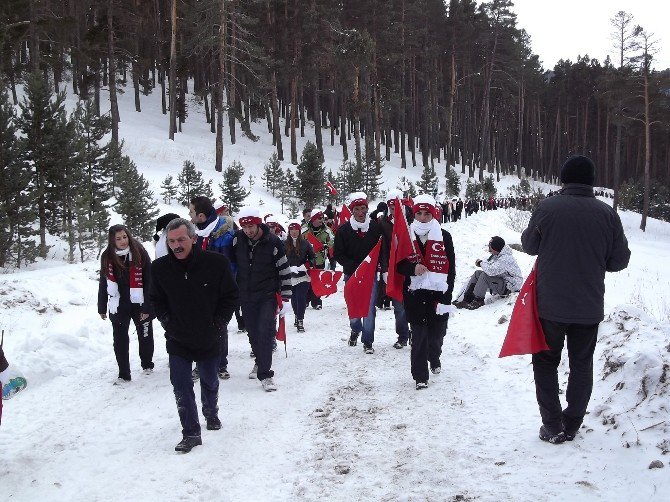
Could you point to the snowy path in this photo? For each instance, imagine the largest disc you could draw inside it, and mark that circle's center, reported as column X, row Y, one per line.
column 342, row 426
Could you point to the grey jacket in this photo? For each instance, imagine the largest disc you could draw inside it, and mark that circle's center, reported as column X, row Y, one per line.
column 504, row 265
column 576, row 238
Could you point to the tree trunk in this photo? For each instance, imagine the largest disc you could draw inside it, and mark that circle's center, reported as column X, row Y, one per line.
column 112, row 72
column 173, row 70
column 317, row 115
column 218, row 165
column 647, row 153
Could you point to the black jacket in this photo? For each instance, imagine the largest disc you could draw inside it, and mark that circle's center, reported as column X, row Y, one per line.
column 126, row 308
column 420, row 304
column 194, row 299
column 350, row 249
column 576, row 238
column 262, row 267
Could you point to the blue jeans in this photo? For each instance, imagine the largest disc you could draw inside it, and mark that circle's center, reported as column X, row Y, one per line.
column 401, row 327
column 366, row 325
column 259, row 317
column 182, row 384
column 299, row 299
column 223, row 349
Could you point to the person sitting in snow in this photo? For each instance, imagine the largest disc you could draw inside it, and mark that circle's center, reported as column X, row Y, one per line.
column 500, row 274
column 11, row 380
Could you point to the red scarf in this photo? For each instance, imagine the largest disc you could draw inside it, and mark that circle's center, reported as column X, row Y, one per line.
column 136, row 286
column 434, row 258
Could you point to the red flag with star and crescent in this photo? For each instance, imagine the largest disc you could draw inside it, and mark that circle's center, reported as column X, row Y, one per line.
column 524, row 333
column 344, row 216
column 402, row 247
column 316, row 243
column 358, row 288
column 324, row 282
column 331, row 188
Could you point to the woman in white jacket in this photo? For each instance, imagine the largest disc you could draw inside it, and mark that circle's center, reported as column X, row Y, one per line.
column 500, row 274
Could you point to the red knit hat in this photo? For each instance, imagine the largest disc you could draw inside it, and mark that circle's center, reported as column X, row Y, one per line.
column 358, row 199
column 249, row 216
column 425, row 202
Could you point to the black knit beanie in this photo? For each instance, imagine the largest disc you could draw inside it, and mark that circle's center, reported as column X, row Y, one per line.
column 497, row 243
column 578, row 169
column 162, row 221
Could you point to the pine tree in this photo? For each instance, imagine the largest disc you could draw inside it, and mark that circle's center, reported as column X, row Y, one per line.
column 372, row 177
column 48, row 147
column 169, row 190
column 473, row 190
column 96, row 171
column 453, row 187
column 134, row 201
column 191, row 184
column 489, row 187
column 273, row 175
column 428, row 182
column 91, row 227
column 232, row 191
column 407, row 187
column 311, row 176
column 351, row 177
column 16, row 214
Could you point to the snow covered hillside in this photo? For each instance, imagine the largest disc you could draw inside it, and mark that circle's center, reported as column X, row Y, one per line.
column 343, row 425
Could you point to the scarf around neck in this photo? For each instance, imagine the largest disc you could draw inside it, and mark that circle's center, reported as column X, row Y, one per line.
column 434, row 257
column 360, row 227
column 134, row 278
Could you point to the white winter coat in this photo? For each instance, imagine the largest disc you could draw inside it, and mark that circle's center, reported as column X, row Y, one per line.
column 504, row 265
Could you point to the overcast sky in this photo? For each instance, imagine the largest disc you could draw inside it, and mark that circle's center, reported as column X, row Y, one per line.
column 568, row 28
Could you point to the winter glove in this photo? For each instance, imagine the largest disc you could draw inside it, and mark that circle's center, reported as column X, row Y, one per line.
column 442, row 309
column 12, row 381
column 478, row 262
column 285, row 305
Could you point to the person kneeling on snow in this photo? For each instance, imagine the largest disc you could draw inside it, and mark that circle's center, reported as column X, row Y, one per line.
column 500, row 274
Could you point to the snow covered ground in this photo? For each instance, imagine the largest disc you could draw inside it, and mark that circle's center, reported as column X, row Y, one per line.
column 343, row 425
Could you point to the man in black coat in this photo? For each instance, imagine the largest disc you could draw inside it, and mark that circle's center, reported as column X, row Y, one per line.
column 353, row 242
column 262, row 273
column 194, row 296
column 577, row 238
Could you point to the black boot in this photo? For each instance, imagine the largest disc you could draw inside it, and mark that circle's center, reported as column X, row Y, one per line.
column 188, row 443
column 301, row 327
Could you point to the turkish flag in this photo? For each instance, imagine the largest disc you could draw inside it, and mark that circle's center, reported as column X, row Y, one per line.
column 524, row 333
column 281, row 329
column 316, row 243
column 358, row 288
column 331, row 188
column 324, row 282
column 345, row 215
column 402, row 247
